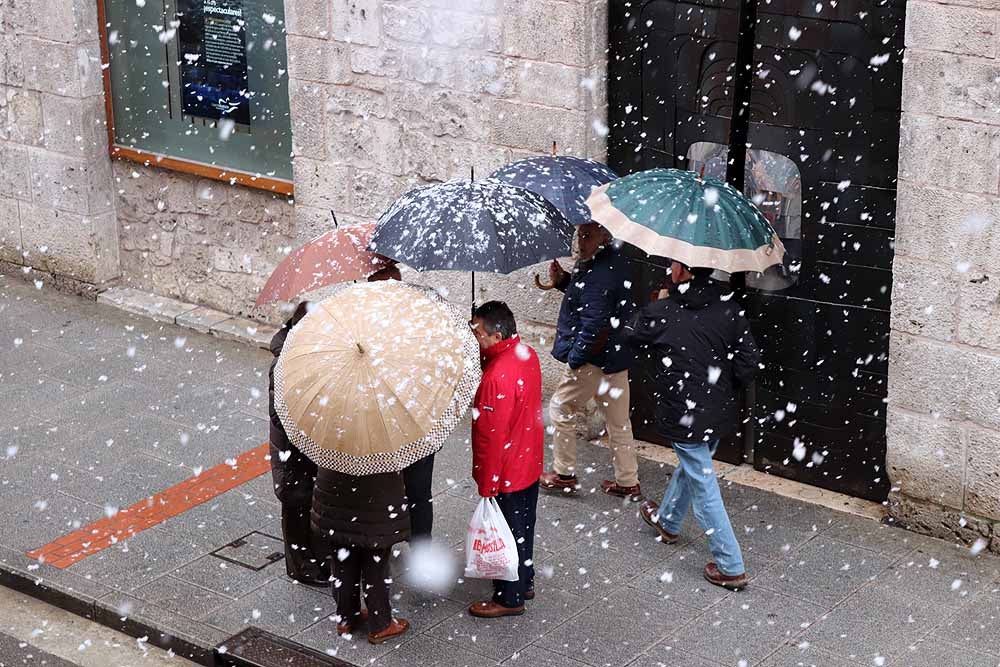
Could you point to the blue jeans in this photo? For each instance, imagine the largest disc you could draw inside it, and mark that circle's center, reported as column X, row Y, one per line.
column 694, row 484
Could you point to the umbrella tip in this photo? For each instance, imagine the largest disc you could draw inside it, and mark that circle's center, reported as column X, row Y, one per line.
column 360, row 349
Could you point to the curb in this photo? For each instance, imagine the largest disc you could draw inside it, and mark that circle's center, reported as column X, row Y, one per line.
column 94, row 610
column 189, row 316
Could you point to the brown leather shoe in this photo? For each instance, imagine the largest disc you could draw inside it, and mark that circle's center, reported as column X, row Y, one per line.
column 551, row 481
column 613, row 488
column 491, row 609
column 529, row 594
column 649, row 510
column 347, row 627
column 731, row 582
column 398, row 627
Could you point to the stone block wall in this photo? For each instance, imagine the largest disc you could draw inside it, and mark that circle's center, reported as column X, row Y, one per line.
column 56, row 197
column 385, row 95
column 944, row 374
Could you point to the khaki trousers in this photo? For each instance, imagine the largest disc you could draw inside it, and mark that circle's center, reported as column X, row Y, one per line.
column 612, row 396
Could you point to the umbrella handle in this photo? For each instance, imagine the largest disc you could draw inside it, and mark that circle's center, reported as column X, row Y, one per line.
column 543, row 286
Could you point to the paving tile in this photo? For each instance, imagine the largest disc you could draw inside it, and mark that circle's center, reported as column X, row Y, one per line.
column 535, row 656
column 354, row 648
column 451, row 519
column 136, row 477
column 35, row 520
column 60, row 580
column 36, row 397
column 663, row 655
column 605, row 637
column 778, row 510
column 823, row 571
column 245, row 331
column 885, row 539
column 27, row 356
column 679, row 579
column 747, row 626
column 202, row 319
column 934, row 570
column 589, row 572
column 977, row 625
column 567, row 522
column 180, row 597
column 429, row 652
column 101, row 450
column 158, row 308
column 803, row 654
column 874, row 623
column 227, row 578
column 932, row 652
column 499, row 639
column 279, row 606
column 117, row 608
column 422, row 612
column 219, row 521
column 135, row 562
column 766, row 537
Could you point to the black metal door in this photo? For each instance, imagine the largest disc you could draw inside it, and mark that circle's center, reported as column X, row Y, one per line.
column 671, row 72
column 822, row 137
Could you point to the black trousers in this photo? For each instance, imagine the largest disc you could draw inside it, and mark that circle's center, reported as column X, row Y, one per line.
column 367, row 571
column 519, row 508
column 418, row 478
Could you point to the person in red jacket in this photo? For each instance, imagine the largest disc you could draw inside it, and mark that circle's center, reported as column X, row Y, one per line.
column 508, row 438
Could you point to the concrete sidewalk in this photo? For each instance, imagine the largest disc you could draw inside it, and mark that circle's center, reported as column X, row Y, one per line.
column 103, row 409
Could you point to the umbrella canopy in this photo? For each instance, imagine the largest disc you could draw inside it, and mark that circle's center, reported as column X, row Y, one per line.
column 563, row 180
column 370, row 373
column 335, row 257
column 464, row 225
column 697, row 221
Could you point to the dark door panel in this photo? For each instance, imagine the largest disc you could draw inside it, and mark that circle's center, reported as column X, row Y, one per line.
column 821, row 115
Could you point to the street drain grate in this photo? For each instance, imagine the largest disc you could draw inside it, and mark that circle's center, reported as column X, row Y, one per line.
column 258, row 648
column 254, row 551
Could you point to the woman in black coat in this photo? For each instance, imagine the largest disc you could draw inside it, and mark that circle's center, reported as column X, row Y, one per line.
column 356, row 521
column 293, row 475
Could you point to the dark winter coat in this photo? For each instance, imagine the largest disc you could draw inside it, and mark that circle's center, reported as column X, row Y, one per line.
column 590, row 326
column 292, row 473
column 696, row 350
column 368, row 512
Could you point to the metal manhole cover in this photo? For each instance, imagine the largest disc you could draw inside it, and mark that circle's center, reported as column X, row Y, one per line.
column 254, row 551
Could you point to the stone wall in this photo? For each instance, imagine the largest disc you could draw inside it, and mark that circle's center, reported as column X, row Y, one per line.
column 385, row 95
column 56, row 198
column 944, row 377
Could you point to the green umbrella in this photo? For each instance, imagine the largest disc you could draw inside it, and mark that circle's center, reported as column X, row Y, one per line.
column 696, row 221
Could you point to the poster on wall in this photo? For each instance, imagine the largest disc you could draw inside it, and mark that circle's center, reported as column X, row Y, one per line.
column 213, row 59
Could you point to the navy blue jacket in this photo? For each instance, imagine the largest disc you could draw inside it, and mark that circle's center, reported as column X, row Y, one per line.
column 694, row 353
column 596, row 302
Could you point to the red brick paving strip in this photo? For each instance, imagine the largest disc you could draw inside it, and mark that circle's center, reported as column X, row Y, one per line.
column 156, row 509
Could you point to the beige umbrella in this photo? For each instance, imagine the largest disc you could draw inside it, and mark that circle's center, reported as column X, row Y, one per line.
column 369, row 373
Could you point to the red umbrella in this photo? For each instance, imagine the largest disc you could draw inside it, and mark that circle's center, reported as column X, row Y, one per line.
column 335, row 257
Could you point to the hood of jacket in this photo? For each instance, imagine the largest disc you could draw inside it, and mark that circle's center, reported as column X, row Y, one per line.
column 701, row 292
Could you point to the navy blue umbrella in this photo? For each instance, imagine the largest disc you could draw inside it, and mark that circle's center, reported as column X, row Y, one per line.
column 564, row 180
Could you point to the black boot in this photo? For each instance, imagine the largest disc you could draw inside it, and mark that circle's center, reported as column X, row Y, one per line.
column 300, row 563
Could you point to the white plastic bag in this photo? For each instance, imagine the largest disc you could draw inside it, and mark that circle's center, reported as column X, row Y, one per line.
column 490, row 550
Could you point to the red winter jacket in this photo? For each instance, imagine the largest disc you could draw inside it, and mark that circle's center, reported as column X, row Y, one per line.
column 508, row 435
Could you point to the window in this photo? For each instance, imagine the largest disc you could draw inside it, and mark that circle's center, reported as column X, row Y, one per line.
column 200, row 86
column 774, row 184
